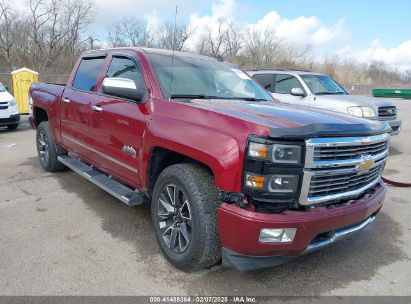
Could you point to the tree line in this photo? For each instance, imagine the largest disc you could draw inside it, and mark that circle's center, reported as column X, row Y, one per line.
column 48, row 36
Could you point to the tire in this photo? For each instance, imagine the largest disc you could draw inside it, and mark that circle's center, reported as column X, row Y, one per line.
column 12, row 127
column 47, row 149
column 196, row 244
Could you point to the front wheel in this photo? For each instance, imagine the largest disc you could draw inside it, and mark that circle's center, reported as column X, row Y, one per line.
column 184, row 212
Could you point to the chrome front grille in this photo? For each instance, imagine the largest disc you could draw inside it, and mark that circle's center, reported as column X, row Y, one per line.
column 344, row 152
column 341, row 168
column 325, row 185
column 387, row 111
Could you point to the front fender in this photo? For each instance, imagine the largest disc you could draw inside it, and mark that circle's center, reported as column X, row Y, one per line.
column 217, row 150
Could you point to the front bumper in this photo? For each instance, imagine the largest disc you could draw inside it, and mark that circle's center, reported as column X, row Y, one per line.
column 240, row 230
column 395, row 125
column 12, row 120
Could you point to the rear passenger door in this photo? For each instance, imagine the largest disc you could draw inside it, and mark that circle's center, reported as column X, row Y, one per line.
column 117, row 124
column 75, row 109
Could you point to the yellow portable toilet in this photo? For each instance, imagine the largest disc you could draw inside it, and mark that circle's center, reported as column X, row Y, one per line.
column 22, row 80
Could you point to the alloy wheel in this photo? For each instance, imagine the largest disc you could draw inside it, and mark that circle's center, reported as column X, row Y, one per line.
column 43, row 147
column 174, row 218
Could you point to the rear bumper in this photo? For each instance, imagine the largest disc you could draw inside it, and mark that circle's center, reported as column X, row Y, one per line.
column 32, row 123
column 12, row 120
column 317, row 228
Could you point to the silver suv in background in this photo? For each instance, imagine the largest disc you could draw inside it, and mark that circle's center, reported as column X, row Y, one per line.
column 321, row 91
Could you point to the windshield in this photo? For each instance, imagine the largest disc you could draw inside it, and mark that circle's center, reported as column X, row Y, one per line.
column 204, row 78
column 322, row 84
column 2, row 89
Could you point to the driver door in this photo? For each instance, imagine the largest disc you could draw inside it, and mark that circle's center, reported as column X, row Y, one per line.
column 282, row 86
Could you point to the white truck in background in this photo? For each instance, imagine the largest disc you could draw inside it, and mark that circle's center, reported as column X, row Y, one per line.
column 321, row 91
column 9, row 112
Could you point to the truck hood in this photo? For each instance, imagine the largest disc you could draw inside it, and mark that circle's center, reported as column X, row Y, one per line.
column 284, row 117
column 354, row 100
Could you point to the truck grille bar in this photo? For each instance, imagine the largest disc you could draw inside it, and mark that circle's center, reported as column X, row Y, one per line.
column 340, row 168
column 344, row 152
column 4, row 105
column 387, row 111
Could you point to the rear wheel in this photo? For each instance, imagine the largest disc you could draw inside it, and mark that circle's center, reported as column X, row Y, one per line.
column 184, row 213
column 47, row 150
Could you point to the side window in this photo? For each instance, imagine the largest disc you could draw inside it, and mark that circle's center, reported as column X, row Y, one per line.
column 266, row 80
column 87, row 73
column 123, row 67
column 284, row 83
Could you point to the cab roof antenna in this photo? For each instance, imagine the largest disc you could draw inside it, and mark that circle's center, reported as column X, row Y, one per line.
column 174, row 48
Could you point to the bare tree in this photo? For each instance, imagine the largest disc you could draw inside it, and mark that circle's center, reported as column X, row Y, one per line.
column 234, row 40
column 173, row 36
column 7, row 30
column 130, row 32
column 261, row 48
column 215, row 41
column 56, row 28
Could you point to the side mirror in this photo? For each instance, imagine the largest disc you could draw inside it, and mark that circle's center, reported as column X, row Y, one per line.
column 297, row 92
column 7, row 88
column 122, row 87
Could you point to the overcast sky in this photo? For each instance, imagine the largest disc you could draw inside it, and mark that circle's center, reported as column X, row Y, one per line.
column 363, row 29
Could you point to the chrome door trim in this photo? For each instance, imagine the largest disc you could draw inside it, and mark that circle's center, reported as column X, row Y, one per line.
column 116, row 161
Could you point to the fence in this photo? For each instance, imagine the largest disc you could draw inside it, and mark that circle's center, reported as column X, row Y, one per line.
column 5, row 78
column 365, row 89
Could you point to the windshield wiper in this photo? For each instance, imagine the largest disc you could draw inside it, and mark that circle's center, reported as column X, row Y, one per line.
column 204, row 96
column 249, row 98
column 197, row 96
column 329, row 93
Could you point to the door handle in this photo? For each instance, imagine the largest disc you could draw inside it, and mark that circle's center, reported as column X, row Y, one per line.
column 65, row 100
column 97, row 108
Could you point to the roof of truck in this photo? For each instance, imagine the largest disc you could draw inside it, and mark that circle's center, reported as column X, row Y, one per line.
column 149, row 51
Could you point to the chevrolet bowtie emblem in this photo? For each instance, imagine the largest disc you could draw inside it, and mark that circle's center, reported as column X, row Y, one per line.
column 365, row 165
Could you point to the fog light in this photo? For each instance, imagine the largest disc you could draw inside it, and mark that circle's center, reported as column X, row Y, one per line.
column 277, row 235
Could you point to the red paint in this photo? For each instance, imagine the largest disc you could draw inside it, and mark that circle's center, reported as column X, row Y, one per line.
column 240, row 228
column 212, row 132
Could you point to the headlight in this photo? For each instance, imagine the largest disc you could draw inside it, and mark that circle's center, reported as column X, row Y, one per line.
column 276, row 153
column 258, row 150
column 366, row 112
column 276, row 183
column 286, row 154
column 12, row 103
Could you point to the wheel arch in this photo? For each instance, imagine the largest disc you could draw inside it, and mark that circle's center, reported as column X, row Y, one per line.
column 161, row 158
column 39, row 115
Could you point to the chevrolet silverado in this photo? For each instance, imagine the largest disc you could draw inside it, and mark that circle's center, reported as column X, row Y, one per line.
column 230, row 173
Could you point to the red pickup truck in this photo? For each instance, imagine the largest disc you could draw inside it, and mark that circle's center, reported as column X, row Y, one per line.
column 230, row 173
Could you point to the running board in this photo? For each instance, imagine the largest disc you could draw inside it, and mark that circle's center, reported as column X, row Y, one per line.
column 115, row 188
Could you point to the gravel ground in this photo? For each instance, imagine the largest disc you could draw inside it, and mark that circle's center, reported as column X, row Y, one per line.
column 61, row 235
